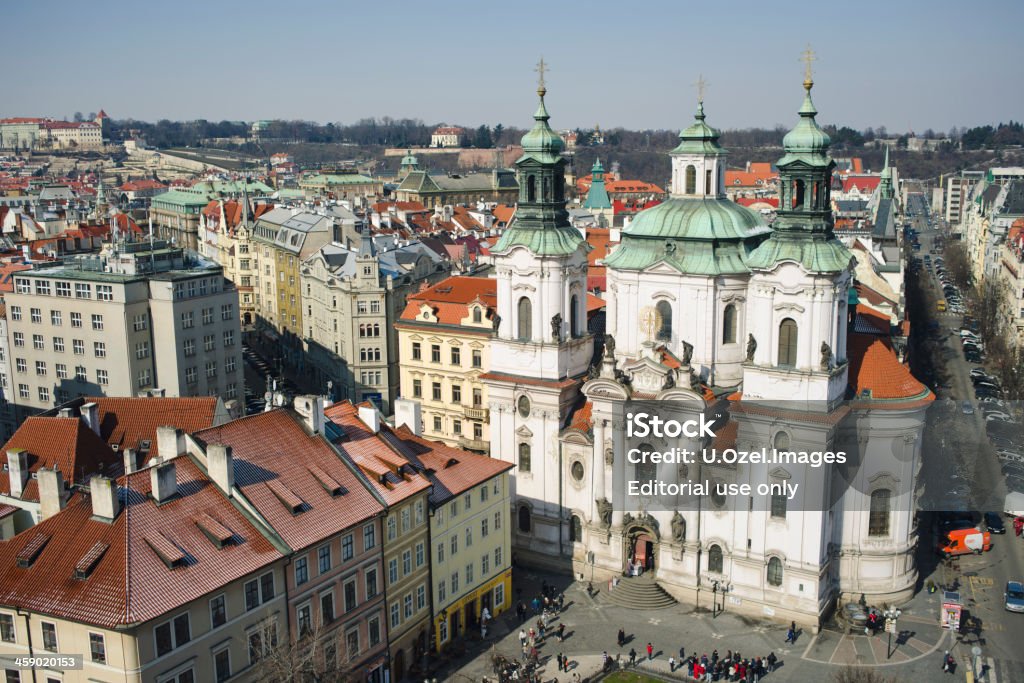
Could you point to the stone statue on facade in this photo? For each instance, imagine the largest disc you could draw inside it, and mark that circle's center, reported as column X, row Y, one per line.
column 556, row 327
column 495, row 322
column 678, row 528
column 609, row 346
column 687, row 352
column 826, row 356
column 604, row 511
column 594, row 372
column 670, row 380
column 751, row 348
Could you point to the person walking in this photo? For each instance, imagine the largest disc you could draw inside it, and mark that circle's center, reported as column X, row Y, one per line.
column 650, row 651
column 622, row 637
column 632, row 656
column 522, row 638
column 561, row 662
column 771, row 661
column 671, row 664
column 790, row 635
column 561, row 632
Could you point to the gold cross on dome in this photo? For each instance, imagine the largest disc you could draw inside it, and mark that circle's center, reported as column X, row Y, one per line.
column 541, row 68
column 702, row 87
column 808, row 56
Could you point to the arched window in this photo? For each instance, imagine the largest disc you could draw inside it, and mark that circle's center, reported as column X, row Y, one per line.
column 574, row 316
column 524, row 457
column 664, row 309
column 729, row 325
column 715, row 559
column 575, row 530
column 878, row 519
column 524, row 519
column 546, row 195
column 525, row 319
column 775, row 572
column 531, row 188
column 707, row 182
column 781, row 442
column 691, row 179
column 477, row 314
column 787, row 343
column 799, row 199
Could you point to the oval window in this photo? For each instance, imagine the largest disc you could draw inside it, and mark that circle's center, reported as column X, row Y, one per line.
column 577, row 471
column 524, row 406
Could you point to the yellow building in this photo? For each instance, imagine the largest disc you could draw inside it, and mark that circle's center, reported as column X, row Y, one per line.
column 444, row 347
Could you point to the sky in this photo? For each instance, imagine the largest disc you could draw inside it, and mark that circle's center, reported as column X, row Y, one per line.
column 904, row 64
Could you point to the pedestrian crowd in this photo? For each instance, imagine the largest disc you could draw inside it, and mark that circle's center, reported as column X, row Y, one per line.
column 733, row 667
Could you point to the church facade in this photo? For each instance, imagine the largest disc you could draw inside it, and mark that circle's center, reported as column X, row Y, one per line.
column 709, row 310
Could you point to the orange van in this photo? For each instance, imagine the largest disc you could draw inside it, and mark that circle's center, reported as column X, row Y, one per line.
column 964, row 541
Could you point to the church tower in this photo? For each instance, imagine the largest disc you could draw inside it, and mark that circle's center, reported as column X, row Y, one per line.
column 800, row 279
column 542, row 348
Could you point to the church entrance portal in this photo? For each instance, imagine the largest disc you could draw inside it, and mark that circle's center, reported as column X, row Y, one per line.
column 640, row 552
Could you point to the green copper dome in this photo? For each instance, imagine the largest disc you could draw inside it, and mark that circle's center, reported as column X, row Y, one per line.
column 541, row 143
column 699, row 137
column 409, row 159
column 807, row 141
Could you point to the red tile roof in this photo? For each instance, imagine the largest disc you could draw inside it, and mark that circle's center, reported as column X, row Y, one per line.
column 125, row 422
column 129, row 583
column 62, row 442
column 864, row 183
column 503, row 213
column 274, row 449
column 582, row 419
column 874, row 367
column 144, row 184
column 451, row 297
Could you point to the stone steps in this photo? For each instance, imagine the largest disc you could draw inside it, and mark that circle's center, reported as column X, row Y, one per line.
column 640, row 593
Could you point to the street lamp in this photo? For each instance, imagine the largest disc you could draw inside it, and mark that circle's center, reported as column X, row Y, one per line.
column 891, row 614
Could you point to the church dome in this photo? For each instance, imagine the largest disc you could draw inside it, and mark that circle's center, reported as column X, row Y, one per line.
column 541, row 143
column 807, row 140
column 696, row 219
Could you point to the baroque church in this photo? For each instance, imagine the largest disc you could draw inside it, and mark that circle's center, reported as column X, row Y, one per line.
column 708, row 308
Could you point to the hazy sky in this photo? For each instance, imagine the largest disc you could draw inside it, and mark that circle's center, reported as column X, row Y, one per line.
column 904, row 65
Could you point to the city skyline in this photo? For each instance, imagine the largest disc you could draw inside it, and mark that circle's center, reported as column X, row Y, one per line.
column 890, row 66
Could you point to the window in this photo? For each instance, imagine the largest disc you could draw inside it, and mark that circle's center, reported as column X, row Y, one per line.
column 262, row 640
column 442, row 590
column 373, row 629
column 7, row 628
column 420, row 554
column 524, row 519
column 371, row 582
column 267, row 587
column 23, row 391
column 406, row 519
column 396, row 615
column 524, row 457
column 374, row 307
column 456, row 355
column 49, row 636
column 392, row 528
column 419, row 512
column 469, row 537
column 172, row 634
column 478, row 315
column 327, row 607
column 523, row 406
column 435, row 353
column 453, row 544
column 574, row 316
column 97, row 321
column 778, row 505
column 691, row 179
column 78, row 346
column 227, row 311
column 715, row 559
column 878, row 518
column 81, row 374
column 347, row 548
column 21, row 365
column 664, row 310
column 229, row 338
column 15, row 312
column 58, row 344
column 469, row 574
column 456, row 393
column 442, row 631
column 218, row 611
column 37, row 315
column 104, row 292
column 222, row 665
column 406, row 562
column 187, row 320
column 37, row 342
column 457, row 426
column 407, row 605
column 421, row 597
column 440, row 552
column 435, row 391
column 368, row 537
column 729, row 325
column 497, row 520
column 323, row 555
column 97, row 648
column 301, row 571
column 42, row 287
column 19, row 338
column 44, row 394
column 787, row 343
column 211, row 368
column 350, row 595
column 483, row 494
column 230, row 364
column 142, row 350
column 499, row 595
column 304, row 619
column 143, row 378
column 99, row 349
column 56, row 318
column 83, row 290
column 140, row 322
column 76, row 320
column 393, row 570
column 525, row 313
column 40, row 367
column 485, row 565
column 775, row 572
column 189, row 347
column 484, row 530
column 208, row 342
column 62, row 288
column 207, row 316
column 478, row 358
column 102, row 378
column 455, row 583
column 417, row 352
column 417, row 388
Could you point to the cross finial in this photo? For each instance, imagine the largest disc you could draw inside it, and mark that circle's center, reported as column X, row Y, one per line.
column 541, row 68
column 808, row 56
column 702, row 87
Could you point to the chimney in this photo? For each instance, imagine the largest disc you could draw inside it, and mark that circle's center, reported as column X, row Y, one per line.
column 91, row 416
column 408, row 413
column 163, row 480
column 17, row 470
column 311, row 408
column 130, row 460
column 221, row 466
column 370, row 417
column 105, row 503
column 170, row 441
column 51, row 492
column 65, row 412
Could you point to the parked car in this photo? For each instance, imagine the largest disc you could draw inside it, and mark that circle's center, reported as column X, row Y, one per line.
column 967, row 408
column 994, row 522
column 1013, row 598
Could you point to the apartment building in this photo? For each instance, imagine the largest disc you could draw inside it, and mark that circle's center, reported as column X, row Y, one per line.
column 134, row 319
column 443, row 348
column 284, row 238
column 156, row 576
column 8, row 410
column 280, row 467
column 957, row 188
column 177, row 213
column 405, row 492
column 352, row 300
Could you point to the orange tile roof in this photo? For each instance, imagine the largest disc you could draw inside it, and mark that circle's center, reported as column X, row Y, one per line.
column 62, row 442
column 450, row 298
column 129, row 583
column 863, row 183
column 582, row 418
column 125, row 421
column 632, row 187
column 7, row 271
column 275, row 447
column 874, row 367
column 503, row 213
column 594, row 303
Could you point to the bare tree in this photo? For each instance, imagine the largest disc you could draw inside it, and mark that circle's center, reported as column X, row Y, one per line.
column 958, row 263
column 860, row 675
column 315, row 658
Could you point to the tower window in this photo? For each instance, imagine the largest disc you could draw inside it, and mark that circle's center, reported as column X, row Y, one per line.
column 524, row 519
column 531, row 188
column 799, row 192
column 707, row 182
column 575, row 530
column 715, row 559
column 524, row 457
column 546, row 195
column 775, row 572
column 787, row 343
column 729, row 325
column 525, row 327
column 691, row 179
column 878, row 518
column 574, row 316
column 664, row 309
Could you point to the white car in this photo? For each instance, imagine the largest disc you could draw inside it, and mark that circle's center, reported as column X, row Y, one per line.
column 998, row 417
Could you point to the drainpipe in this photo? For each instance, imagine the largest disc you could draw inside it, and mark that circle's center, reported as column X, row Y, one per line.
column 28, row 635
column 561, row 499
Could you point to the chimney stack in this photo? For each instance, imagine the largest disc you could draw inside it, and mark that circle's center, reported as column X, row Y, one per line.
column 65, row 412
column 105, row 503
column 91, row 416
column 163, row 480
column 17, row 470
column 311, row 408
column 131, row 462
column 408, row 413
column 370, row 417
column 170, row 442
column 221, row 466
column 51, row 492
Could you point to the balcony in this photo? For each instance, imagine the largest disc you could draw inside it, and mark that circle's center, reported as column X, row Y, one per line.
column 477, row 413
column 475, row 445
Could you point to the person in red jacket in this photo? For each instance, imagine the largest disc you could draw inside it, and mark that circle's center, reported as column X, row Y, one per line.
column 650, row 651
